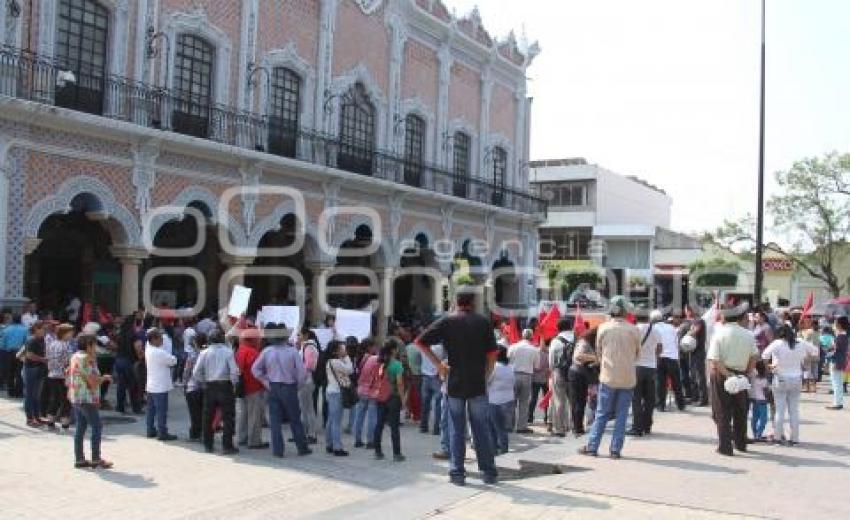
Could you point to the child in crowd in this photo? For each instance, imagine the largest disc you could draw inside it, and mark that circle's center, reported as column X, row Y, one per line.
column 758, row 401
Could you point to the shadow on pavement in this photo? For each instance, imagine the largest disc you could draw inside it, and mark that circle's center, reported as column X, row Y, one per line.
column 127, row 480
column 688, row 465
column 795, row 462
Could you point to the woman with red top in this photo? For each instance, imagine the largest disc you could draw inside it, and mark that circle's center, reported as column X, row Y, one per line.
column 249, row 427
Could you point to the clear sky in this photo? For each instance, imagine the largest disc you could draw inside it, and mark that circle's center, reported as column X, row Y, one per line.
column 668, row 90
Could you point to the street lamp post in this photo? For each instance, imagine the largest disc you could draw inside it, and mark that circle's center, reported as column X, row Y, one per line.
column 757, row 289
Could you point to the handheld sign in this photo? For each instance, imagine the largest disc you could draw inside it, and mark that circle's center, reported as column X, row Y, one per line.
column 324, row 335
column 239, row 301
column 353, row 323
column 289, row 315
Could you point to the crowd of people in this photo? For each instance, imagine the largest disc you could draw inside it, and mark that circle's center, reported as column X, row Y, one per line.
column 462, row 375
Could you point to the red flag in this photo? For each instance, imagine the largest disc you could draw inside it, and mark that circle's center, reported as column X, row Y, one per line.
column 578, row 325
column 544, row 403
column 513, row 331
column 549, row 325
column 540, row 318
column 807, row 307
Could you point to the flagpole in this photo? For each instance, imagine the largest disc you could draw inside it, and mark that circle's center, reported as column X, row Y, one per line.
column 757, row 289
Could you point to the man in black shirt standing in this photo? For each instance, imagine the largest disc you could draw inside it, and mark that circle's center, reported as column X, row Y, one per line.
column 468, row 340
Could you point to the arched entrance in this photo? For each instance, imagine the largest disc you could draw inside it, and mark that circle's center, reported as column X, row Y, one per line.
column 505, row 283
column 278, row 289
column 357, row 298
column 72, row 258
column 178, row 291
column 413, row 294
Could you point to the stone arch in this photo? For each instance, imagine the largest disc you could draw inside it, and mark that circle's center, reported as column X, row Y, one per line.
column 198, row 194
column 384, row 255
column 271, row 222
column 121, row 223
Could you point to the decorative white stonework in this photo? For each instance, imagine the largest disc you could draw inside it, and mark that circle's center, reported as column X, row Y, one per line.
column 330, row 190
column 324, row 63
column 369, row 7
column 126, row 233
column 444, row 56
column 289, row 58
column 144, row 173
column 359, row 74
column 398, row 37
column 247, row 51
column 396, row 212
column 250, row 174
column 446, row 221
column 198, row 24
column 4, row 208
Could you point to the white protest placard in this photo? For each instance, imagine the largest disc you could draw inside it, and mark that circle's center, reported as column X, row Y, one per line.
column 324, row 335
column 353, row 323
column 238, row 301
column 286, row 314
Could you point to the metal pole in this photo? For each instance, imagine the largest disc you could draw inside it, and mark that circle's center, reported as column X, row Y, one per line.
column 757, row 291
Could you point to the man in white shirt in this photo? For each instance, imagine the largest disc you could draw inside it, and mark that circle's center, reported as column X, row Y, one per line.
column 159, row 383
column 668, row 363
column 29, row 318
column 646, row 365
column 524, row 357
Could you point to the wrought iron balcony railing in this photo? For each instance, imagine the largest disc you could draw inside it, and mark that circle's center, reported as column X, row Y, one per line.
column 27, row 76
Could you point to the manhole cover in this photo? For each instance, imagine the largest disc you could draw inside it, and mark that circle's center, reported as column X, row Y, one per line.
column 116, row 419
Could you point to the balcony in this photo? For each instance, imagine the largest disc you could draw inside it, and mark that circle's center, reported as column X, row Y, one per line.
column 28, row 76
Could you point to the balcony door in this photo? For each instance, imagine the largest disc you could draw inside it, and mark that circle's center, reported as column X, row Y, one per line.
column 284, row 112
column 357, row 132
column 82, row 28
column 414, row 149
column 462, row 148
column 192, row 97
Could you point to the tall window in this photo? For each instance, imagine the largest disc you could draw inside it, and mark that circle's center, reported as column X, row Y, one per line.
column 193, row 70
column 81, row 36
column 414, row 149
column 500, row 170
column 461, row 163
column 284, row 110
column 357, row 131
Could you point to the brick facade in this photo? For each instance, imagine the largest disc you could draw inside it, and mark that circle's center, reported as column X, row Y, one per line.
column 135, row 170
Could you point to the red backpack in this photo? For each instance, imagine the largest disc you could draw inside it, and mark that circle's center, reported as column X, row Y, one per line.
column 379, row 386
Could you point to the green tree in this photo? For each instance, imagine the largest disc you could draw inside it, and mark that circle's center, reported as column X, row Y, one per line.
column 810, row 216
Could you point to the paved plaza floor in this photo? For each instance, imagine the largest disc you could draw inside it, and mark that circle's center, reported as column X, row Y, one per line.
column 675, row 473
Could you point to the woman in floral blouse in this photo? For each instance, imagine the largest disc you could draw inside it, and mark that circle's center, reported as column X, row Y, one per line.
column 84, row 382
column 58, row 358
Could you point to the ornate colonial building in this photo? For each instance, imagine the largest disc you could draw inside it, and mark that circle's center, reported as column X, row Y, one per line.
column 112, row 110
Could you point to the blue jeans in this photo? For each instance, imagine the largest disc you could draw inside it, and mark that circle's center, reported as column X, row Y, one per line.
column 333, row 430
column 282, row 398
column 478, row 409
column 445, row 427
column 612, row 403
column 836, row 377
column 500, row 424
column 431, row 392
column 157, row 408
column 759, row 418
column 33, row 381
column 86, row 415
column 367, row 411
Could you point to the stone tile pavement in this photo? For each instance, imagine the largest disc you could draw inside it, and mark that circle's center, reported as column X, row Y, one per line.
column 673, row 474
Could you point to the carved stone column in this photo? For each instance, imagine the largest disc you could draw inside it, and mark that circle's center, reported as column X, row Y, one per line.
column 130, row 258
column 324, row 60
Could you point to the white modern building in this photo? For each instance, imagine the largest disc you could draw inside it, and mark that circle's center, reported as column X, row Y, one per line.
column 600, row 219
